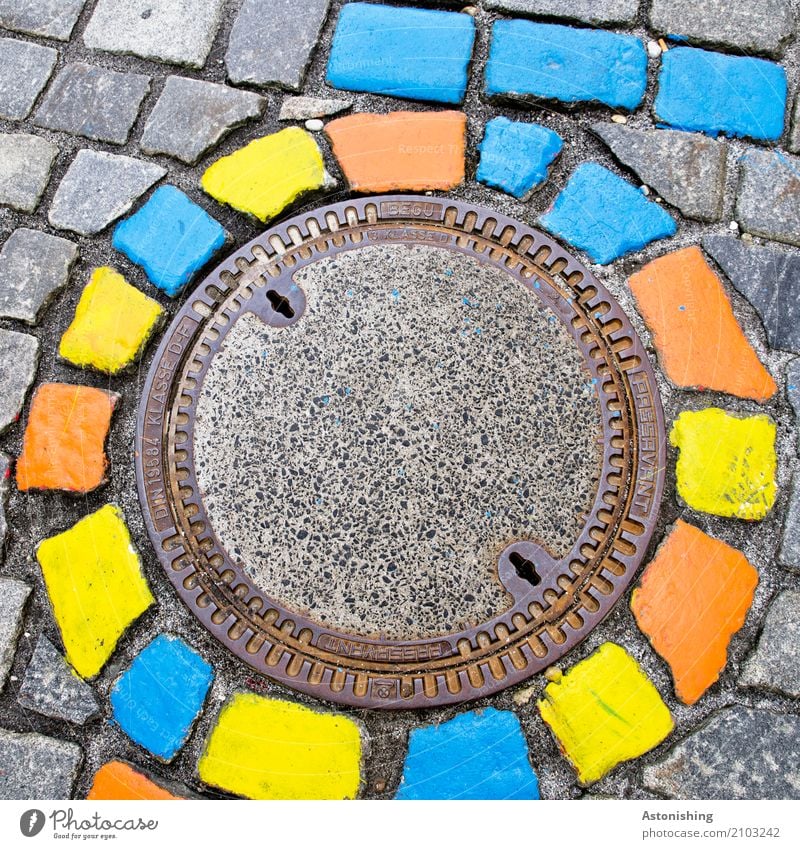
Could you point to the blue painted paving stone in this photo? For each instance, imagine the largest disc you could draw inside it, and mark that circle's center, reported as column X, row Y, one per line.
column 602, row 214
column 686, row 169
column 93, row 102
column 25, row 165
column 19, row 359
column 13, row 595
column 768, row 197
column 271, row 41
column 170, row 237
column 763, row 26
column 192, row 116
column 49, row 18
column 775, row 664
column 37, row 767
column 421, row 54
column 769, row 279
column 714, row 93
column 739, row 753
column 515, row 156
column 585, row 11
column 24, row 71
column 51, row 687
column 166, row 31
column 156, row 701
column 34, row 267
column 98, row 188
column 478, row 755
column 534, row 61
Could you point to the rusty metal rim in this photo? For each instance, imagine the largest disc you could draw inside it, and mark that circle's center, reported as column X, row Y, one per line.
column 543, row 624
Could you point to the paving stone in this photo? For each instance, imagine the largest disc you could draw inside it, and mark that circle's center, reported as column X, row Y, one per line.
column 793, row 140
column 89, row 101
column 793, row 393
column 96, row 587
column 303, row 108
column 49, row 18
column 5, row 473
column 52, row 688
column 271, row 749
column 762, row 27
column 117, row 780
column 768, row 198
column 516, row 156
column 400, row 150
column 19, row 355
column 676, row 294
column 789, row 554
column 25, row 165
column 170, row 237
column 726, row 464
column 158, row 698
column 535, row 61
column 739, row 753
column 13, row 595
column 387, row 50
column 775, row 664
column 604, row 215
column 769, row 279
column 271, row 41
column 179, row 33
column 714, row 93
column 192, row 116
column 64, row 438
column 686, row 169
column 478, row 755
column 585, row 11
column 99, row 188
column 34, row 267
column 37, row 767
column 604, row 711
column 693, row 597
column 265, row 176
column 112, row 325
column 24, row 71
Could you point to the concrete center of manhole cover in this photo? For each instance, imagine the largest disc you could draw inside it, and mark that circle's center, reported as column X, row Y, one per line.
column 400, row 452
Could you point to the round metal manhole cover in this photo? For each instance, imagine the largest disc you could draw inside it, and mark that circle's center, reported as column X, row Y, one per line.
column 400, row 452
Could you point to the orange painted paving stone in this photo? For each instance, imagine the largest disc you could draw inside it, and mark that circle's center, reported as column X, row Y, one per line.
column 63, row 446
column 693, row 597
column 401, row 150
column 117, row 780
column 700, row 344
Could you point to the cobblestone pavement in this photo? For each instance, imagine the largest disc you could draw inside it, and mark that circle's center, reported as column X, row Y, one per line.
column 142, row 140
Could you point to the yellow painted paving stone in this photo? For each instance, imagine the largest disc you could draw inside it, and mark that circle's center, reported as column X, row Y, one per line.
column 113, row 321
column 726, row 464
column 605, row 710
column 96, row 587
column 265, row 176
column 272, row 749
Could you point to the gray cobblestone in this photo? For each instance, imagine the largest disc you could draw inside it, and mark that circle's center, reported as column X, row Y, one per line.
column 37, row 767
column 272, row 40
column 768, row 199
column 793, row 393
column 25, row 165
column 192, row 116
column 19, row 356
column 98, row 188
column 33, row 267
column 13, row 595
column 52, row 688
column 49, row 18
column 303, row 108
column 775, row 664
column 586, row 11
column 789, row 554
column 93, row 102
column 178, row 32
column 24, row 71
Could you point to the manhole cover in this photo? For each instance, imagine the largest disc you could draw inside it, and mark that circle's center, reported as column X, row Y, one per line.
column 400, row 452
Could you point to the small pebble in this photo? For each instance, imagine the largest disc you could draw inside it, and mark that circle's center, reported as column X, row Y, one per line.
column 314, row 125
column 619, row 119
column 653, row 49
column 748, row 238
column 553, row 674
column 663, row 45
column 470, row 10
column 645, row 190
column 734, row 226
column 380, row 786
